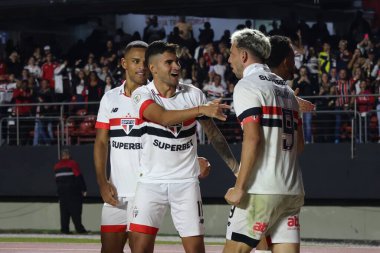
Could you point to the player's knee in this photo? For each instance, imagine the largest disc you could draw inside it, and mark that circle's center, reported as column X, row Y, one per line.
column 239, row 246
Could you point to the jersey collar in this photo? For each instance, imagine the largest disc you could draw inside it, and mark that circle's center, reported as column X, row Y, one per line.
column 255, row 67
column 153, row 88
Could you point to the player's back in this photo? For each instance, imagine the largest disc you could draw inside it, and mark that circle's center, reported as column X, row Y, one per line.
column 266, row 96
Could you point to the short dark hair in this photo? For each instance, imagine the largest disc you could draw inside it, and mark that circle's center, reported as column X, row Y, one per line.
column 65, row 151
column 135, row 44
column 280, row 49
column 159, row 47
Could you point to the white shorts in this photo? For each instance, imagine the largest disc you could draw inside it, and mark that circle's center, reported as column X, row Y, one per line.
column 273, row 216
column 152, row 200
column 116, row 218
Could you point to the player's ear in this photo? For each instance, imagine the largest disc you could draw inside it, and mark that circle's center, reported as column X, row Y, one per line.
column 152, row 68
column 244, row 56
column 123, row 62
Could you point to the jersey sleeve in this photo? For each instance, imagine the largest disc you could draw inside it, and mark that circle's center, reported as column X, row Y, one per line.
column 247, row 104
column 103, row 119
column 142, row 98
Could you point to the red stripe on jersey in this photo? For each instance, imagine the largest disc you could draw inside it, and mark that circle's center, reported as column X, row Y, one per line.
column 113, row 228
column 254, row 119
column 117, row 121
column 143, row 229
column 188, row 122
column 273, row 110
column 102, row 125
column 144, row 106
column 276, row 110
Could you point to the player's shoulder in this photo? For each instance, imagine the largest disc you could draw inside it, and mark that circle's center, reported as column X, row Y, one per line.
column 143, row 89
column 189, row 88
column 113, row 92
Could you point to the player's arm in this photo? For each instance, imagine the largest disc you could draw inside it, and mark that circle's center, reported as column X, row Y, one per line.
column 156, row 113
column 304, row 105
column 220, row 144
column 204, row 167
column 249, row 154
column 107, row 190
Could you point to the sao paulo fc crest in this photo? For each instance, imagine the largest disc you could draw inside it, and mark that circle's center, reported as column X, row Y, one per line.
column 175, row 129
column 128, row 124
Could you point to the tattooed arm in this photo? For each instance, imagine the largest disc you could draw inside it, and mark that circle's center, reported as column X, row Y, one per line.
column 220, row 144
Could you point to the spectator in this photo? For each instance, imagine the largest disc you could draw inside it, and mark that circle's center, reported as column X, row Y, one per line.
column 109, row 83
column 62, row 87
column 226, row 38
column 206, row 35
column 324, row 120
column 364, row 104
column 299, row 50
column 185, row 29
column 93, row 92
column 33, row 68
column 175, row 38
column 13, row 64
column 220, row 69
column 48, row 70
column 214, row 90
column 154, row 31
column 110, row 54
column 324, row 59
column 22, row 95
column 186, row 60
column 38, row 56
column 71, row 189
column 355, row 81
column 312, row 64
column 343, row 56
column 200, row 72
column 91, row 64
column 306, row 88
column 43, row 129
column 343, row 102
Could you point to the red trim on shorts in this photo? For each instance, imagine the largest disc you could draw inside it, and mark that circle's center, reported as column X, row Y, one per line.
column 102, row 125
column 144, row 106
column 143, row 229
column 113, row 228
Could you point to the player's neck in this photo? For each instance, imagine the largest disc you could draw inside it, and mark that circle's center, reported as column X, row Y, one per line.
column 129, row 87
column 164, row 89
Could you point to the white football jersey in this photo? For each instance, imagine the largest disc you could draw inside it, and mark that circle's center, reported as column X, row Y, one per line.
column 118, row 115
column 169, row 153
column 261, row 96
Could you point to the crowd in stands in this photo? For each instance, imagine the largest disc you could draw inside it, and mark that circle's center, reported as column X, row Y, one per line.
column 326, row 65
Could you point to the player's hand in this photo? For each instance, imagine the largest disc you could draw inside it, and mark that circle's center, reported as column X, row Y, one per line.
column 109, row 193
column 214, row 109
column 84, row 194
column 205, row 167
column 234, row 196
column 305, row 106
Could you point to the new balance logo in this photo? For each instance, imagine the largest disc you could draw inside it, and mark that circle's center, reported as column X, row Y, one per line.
column 114, row 110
